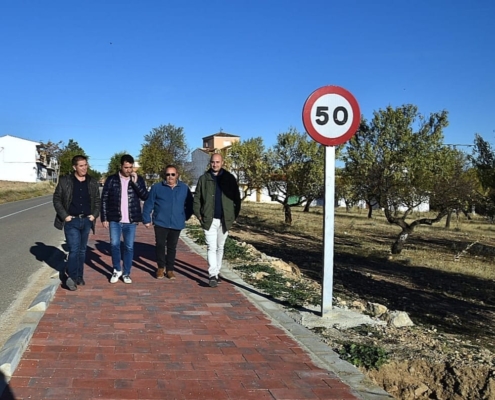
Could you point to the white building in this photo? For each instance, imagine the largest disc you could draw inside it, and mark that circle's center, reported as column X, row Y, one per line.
column 21, row 161
column 258, row 196
column 200, row 161
column 200, row 157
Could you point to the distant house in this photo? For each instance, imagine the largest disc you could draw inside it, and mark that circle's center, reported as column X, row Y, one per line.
column 23, row 160
column 219, row 141
column 259, row 196
column 200, row 157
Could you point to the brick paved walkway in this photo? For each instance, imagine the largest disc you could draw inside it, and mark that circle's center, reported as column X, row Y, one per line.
column 162, row 339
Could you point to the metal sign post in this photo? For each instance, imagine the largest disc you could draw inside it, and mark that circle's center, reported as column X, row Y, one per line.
column 331, row 117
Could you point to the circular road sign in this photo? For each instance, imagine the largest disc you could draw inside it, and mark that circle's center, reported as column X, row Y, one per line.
column 331, row 115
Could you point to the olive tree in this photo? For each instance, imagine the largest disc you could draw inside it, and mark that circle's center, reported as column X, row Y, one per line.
column 294, row 170
column 247, row 161
column 164, row 145
column 399, row 161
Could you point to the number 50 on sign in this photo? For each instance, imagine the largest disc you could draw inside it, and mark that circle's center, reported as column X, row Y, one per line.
column 331, row 115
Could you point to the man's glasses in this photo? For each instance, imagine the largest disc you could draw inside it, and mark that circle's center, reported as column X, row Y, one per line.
column 170, row 174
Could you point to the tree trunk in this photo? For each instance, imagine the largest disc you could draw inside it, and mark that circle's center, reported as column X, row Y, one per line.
column 370, row 209
column 288, row 214
column 306, row 206
column 400, row 241
column 447, row 221
column 466, row 214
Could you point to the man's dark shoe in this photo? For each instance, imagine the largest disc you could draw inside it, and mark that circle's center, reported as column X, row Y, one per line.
column 213, row 281
column 71, row 284
column 80, row 281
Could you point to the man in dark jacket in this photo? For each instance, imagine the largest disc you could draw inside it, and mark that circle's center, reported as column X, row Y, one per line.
column 77, row 202
column 217, row 203
column 121, row 211
column 169, row 206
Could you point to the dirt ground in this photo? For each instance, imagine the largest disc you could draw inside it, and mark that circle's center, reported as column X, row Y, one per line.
column 447, row 355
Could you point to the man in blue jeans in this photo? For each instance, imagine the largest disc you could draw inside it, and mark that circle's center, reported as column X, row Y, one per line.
column 77, row 202
column 121, row 211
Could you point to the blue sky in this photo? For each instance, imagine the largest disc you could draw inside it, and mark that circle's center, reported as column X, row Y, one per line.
column 104, row 73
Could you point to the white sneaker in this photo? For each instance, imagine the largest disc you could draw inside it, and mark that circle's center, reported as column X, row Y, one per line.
column 115, row 277
column 127, row 279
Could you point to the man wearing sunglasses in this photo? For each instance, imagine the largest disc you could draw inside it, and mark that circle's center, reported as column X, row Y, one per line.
column 168, row 207
column 217, row 203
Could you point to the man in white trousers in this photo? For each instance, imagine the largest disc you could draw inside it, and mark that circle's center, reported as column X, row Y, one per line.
column 217, row 203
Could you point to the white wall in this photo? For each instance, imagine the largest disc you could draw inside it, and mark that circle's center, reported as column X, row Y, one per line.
column 199, row 164
column 264, row 197
column 17, row 159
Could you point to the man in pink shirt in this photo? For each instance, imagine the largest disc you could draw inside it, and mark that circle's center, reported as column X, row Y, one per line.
column 121, row 212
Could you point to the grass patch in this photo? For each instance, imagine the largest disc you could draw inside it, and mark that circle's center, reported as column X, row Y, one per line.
column 363, row 355
column 196, row 233
column 15, row 191
column 234, row 251
column 296, row 293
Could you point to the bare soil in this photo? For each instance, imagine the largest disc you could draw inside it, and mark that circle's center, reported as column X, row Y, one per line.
column 448, row 354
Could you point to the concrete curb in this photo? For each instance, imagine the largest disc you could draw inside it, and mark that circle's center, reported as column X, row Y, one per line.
column 40, row 303
column 13, row 349
column 321, row 353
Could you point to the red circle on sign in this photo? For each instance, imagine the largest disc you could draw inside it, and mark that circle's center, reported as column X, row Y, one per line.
column 308, row 121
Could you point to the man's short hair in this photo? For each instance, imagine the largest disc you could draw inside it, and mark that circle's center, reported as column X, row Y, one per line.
column 78, row 158
column 171, row 166
column 126, row 158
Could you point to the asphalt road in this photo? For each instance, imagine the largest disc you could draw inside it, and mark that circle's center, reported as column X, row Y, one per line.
column 30, row 253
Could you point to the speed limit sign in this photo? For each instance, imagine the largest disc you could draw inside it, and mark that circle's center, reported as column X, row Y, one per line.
column 331, row 115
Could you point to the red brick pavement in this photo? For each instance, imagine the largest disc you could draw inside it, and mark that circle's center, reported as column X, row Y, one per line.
column 162, row 339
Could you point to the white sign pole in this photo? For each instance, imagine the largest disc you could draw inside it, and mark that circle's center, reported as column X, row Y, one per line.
column 331, row 116
column 328, row 231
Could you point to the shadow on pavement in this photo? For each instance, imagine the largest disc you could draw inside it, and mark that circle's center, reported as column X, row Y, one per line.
column 145, row 260
column 50, row 255
column 53, row 257
column 187, row 269
column 143, row 254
